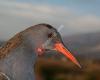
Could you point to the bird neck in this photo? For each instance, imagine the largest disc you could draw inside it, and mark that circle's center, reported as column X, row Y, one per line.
column 17, row 56
column 16, row 48
column 21, row 63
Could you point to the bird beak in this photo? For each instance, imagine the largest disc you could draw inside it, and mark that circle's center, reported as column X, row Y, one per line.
column 60, row 47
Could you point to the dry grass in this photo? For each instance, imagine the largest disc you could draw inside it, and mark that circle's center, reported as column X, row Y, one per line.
column 66, row 70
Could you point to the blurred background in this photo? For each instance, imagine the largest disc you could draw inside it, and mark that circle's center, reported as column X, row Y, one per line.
column 81, row 33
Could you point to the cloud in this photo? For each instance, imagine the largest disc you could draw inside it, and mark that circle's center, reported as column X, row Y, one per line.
column 85, row 23
column 16, row 16
column 31, row 10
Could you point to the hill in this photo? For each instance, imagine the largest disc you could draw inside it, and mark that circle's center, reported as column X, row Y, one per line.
column 86, row 45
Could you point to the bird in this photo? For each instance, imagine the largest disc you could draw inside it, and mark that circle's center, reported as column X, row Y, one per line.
column 19, row 54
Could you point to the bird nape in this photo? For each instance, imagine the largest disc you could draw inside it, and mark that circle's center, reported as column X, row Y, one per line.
column 19, row 54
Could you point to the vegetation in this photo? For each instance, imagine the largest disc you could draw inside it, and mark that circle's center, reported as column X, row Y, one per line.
column 66, row 70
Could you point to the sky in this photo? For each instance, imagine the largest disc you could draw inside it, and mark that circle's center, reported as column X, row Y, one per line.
column 77, row 16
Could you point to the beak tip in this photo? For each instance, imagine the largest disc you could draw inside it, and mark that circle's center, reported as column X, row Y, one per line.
column 63, row 50
column 79, row 66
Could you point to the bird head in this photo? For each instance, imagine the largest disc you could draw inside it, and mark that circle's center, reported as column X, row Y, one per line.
column 44, row 38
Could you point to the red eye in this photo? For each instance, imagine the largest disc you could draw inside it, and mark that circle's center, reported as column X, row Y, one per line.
column 50, row 35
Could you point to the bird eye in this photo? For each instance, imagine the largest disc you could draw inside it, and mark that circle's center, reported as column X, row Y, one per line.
column 50, row 35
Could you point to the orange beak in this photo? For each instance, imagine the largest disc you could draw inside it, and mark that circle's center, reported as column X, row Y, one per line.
column 59, row 47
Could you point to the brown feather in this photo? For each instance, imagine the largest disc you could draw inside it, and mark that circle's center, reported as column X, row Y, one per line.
column 10, row 45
